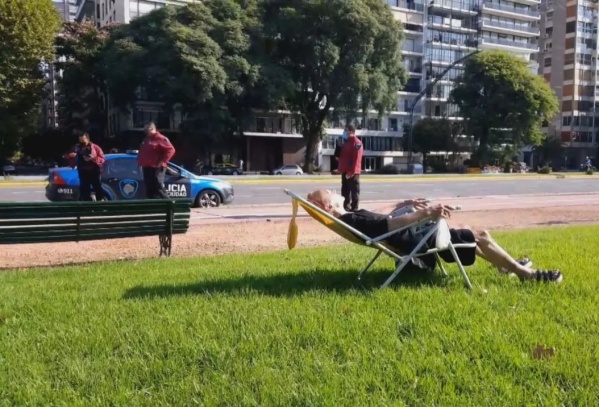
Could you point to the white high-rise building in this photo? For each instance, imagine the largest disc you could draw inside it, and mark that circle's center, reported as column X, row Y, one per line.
column 105, row 12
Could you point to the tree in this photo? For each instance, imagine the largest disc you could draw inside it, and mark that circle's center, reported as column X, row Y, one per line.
column 503, row 101
column 81, row 85
column 194, row 58
column 430, row 134
column 27, row 32
column 336, row 55
column 551, row 148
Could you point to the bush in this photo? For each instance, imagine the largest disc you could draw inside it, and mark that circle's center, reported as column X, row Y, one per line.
column 545, row 170
column 389, row 169
column 590, row 171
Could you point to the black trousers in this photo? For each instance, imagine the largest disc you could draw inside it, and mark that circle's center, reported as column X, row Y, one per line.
column 89, row 179
column 350, row 189
column 154, row 181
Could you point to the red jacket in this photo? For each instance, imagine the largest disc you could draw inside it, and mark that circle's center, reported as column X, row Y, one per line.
column 350, row 159
column 75, row 157
column 155, row 151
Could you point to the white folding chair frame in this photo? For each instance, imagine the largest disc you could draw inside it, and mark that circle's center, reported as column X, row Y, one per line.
column 378, row 243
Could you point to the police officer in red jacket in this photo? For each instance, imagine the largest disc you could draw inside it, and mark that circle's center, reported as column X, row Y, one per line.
column 154, row 153
column 89, row 159
column 350, row 166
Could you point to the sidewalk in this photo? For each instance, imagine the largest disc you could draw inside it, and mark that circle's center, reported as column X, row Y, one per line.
column 231, row 214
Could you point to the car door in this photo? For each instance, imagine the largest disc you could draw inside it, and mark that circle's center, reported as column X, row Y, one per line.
column 123, row 178
column 177, row 182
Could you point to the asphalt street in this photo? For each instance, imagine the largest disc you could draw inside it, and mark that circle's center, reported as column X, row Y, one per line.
column 272, row 192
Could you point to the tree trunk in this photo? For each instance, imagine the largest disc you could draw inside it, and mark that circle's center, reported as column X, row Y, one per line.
column 311, row 150
column 424, row 162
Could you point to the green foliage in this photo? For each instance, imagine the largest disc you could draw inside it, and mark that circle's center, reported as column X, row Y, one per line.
column 297, row 329
column 545, row 170
column 27, row 32
column 551, row 148
column 337, row 54
column 430, row 134
column 194, row 58
column 497, row 92
column 82, row 86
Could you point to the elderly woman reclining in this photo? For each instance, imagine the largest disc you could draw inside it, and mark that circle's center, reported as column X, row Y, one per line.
column 374, row 224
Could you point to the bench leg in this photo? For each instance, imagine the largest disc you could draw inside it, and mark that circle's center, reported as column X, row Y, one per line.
column 166, row 243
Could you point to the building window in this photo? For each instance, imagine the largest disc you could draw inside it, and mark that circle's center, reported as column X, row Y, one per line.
column 392, row 124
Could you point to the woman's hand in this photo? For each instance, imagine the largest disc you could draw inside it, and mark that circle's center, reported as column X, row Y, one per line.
column 417, row 203
column 440, row 211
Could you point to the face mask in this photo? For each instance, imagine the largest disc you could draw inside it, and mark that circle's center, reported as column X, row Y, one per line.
column 344, row 135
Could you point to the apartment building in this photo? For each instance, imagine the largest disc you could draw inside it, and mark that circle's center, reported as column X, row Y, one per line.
column 569, row 64
column 437, row 33
column 49, row 118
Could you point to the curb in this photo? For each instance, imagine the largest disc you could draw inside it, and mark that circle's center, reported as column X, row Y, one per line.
column 327, row 179
column 389, row 201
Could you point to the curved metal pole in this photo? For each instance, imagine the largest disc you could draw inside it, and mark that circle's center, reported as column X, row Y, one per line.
column 426, row 90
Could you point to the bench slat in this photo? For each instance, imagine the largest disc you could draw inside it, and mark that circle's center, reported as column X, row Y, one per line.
column 72, row 237
column 109, row 218
column 108, row 204
column 72, row 226
column 84, row 212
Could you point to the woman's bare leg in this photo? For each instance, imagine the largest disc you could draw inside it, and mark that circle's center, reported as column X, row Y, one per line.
column 488, row 249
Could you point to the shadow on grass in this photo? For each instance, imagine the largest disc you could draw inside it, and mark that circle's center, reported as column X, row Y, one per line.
column 292, row 284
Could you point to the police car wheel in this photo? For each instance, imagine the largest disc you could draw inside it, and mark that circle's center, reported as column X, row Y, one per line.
column 298, row 173
column 208, row 199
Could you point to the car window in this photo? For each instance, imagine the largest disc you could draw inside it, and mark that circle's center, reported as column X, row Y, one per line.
column 172, row 171
column 122, row 168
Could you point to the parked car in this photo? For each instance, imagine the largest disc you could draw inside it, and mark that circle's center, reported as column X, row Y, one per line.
column 221, row 169
column 288, row 170
column 122, row 179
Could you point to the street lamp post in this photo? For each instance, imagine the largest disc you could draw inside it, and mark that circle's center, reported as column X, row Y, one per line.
column 427, row 89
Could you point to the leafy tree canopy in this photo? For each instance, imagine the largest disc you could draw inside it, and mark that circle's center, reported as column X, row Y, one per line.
column 431, row 134
column 195, row 58
column 27, row 32
column 336, row 54
column 497, row 92
column 81, row 85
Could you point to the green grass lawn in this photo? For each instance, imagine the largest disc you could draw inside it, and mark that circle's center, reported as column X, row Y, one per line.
column 296, row 329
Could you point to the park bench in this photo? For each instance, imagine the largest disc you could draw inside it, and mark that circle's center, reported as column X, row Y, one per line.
column 51, row 222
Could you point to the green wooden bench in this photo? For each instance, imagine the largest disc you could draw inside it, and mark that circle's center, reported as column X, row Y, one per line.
column 50, row 222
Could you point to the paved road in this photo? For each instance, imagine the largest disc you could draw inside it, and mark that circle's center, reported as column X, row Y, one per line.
column 272, row 193
column 467, row 204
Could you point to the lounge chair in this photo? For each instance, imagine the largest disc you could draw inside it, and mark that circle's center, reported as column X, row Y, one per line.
column 439, row 229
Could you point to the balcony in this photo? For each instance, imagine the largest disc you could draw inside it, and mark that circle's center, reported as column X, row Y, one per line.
column 443, row 26
column 507, row 28
column 407, row 5
column 412, row 49
column 456, row 7
column 500, row 43
column 513, row 12
column 272, row 125
column 414, row 70
column 411, row 88
column 470, row 43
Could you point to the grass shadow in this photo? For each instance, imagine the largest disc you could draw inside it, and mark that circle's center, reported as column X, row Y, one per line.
column 292, row 284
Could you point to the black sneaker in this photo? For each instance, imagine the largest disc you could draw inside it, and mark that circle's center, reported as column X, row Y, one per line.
column 548, row 276
column 524, row 262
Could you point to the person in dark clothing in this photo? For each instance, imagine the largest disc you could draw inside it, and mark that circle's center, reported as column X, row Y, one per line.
column 350, row 167
column 154, row 154
column 89, row 159
column 374, row 224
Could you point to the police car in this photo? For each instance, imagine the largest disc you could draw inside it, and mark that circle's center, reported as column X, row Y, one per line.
column 122, row 179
